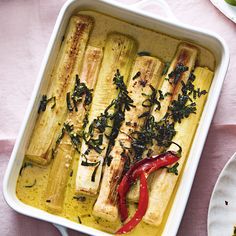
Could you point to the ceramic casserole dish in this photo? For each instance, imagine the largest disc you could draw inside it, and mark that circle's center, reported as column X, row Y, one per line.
column 134, row 15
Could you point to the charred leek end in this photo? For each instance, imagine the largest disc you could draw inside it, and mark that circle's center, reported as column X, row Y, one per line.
column 68, row 62
column 185, row 56
column 118, row 55
column 63, row 155
column 91, row 66
column 146, row 73
column 163, row 184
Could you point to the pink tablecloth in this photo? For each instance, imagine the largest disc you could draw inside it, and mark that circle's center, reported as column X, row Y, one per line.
column 25, row 28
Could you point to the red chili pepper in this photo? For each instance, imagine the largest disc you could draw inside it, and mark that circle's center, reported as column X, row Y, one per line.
column 140, row 169
column 142, row 207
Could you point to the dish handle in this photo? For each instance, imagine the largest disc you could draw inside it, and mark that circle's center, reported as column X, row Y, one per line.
column 62, row 230
column 155, row 7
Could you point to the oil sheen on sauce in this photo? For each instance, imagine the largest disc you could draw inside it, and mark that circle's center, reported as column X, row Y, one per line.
column 79, row 209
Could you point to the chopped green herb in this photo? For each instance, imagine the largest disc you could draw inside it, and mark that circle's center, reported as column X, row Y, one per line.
column 179, row 152
column 87, row 151
column 161, row 132
column 54, row 152
column 180, row 108
column 79, row 220
column 85, row 120
column 145, row 114
column 26, row 164
column 100, row 123
column 44, row 101
column 60, row 137
column 189, row 88
column 75, row 137
column 143, row 82
column 95, row 143
column 152, row 99
column 71, row 173
column 69, row 106
column 86, row 163
column 80, row 198
column 166, row 68
column 177, row 72
column 31, row 185
column 43, row 104
column 80, row 91
column 94, row 173
column 108, row 160
column 63, row 37
column 95, row 164
column 144, row 53
column 167, row 94
column 199, row 93
column 136, row 75
column 173, row 169
column 161, row 96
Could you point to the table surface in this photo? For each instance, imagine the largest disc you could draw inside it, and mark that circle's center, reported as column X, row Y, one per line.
column 25, row 30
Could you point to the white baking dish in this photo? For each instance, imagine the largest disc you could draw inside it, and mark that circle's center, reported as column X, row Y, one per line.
column 131, row 14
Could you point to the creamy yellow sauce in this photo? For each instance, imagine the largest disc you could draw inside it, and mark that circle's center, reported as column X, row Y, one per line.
column 161, row 46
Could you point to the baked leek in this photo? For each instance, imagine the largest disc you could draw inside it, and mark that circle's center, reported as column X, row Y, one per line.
column 185, row 56
column 63, row 155
column 68, row 63
column 146, row 75
column 118, row 55
column 163, row 183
